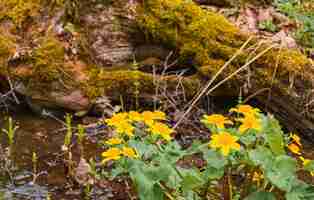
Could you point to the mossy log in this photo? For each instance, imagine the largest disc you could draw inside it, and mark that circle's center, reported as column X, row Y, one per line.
column 282, row 79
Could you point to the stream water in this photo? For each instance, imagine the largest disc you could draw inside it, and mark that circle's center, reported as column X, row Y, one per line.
column 43, row 136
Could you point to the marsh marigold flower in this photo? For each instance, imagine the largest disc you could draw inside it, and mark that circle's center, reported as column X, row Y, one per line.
column 135, row 116
column 116, row 119
column 114, row 141
column 296, row 139
column 126, row 128
column 294, row 148
column 225, row 142
column 306, row 162
column 111, row 154
column 245, row 110
column 149, row 117
column 129, row 152
column 161, row 129
column 216, row 119
column 250, row 122
column 257, row 176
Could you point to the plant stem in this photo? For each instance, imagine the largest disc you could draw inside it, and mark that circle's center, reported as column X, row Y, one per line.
column 166, row 191
column 230, row 184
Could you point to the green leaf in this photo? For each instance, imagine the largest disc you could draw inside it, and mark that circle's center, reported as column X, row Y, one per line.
column 196, row 147
column 301, row 191
column 282, row 173
column 191, row 179
column 261, row 156
column 212, row 173
column 261, row 196
column 145, row 150
column 214, row 159
column 274, row 135
column 172, row 152
column 248, row 138
column 146, row 186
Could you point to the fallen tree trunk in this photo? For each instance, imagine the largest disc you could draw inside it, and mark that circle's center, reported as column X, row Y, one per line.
column 208, row 38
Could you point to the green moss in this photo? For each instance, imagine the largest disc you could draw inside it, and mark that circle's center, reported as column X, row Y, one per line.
column 195, row 32
column 48, row 60
column 210, row 40
column 46, row 69
column 286, row 61
column 19, row 10
column 121, row 83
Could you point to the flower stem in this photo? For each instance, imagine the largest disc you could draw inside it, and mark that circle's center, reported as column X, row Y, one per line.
column 230, row 184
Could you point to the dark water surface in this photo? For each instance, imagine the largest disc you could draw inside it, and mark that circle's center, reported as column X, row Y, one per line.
column 45, row 137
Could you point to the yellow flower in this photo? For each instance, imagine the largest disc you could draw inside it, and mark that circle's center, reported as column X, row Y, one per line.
column 257, row 177
column 304, row 161
column 225, row 142
column 295, row 138
column 111, row 154
column 218, row 120
column 114, row 141
column 294, row 148
column 250, row 122
column 116, row 119
column 245, row 110
column 125, row 127
column 158, row 115
column 135, row 116
column 149, row 117
column 129, row 152
column 161, row 129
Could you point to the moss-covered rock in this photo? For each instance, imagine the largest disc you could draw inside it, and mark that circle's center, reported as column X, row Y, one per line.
column 19, row 10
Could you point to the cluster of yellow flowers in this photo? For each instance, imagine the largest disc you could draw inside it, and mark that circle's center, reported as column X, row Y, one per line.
column 295, row 146
column 224, row 140
column 115, row 153
column 250, row 120
column 124, row 123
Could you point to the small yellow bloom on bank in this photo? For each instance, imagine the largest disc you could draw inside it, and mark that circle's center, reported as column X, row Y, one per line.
column 135, row 116
column 149, row 117
column 216, row 119
column 126, row 128
column 257, row 176
column 295, row 138
column 304, row 160
column 294, row 148
column 250, row 122
column 116, row 119
column 225, row 142
column 114, row 141
column 111, row 154
column 129, row 152
column 161, row 129
column 245, row 110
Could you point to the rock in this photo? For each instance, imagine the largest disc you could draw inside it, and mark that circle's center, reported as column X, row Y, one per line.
column 108, row 36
